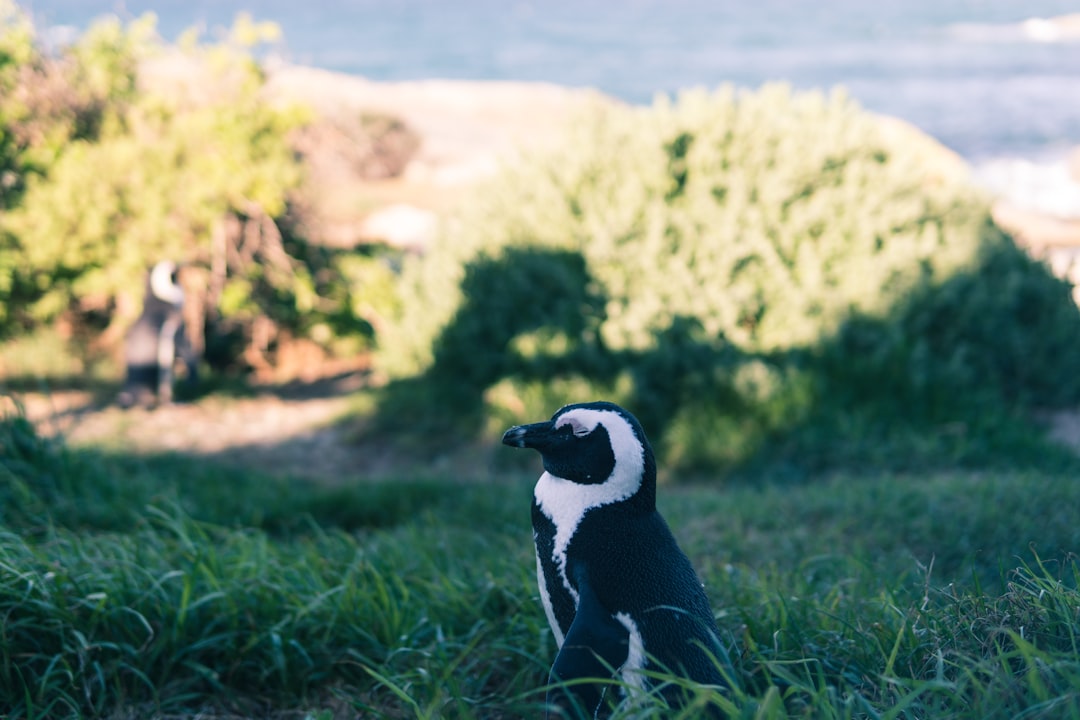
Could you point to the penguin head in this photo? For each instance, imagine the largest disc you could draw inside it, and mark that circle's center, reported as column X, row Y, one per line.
column 596, row 443
column 165, row 283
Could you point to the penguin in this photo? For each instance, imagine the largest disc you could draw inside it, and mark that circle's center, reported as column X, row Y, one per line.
column 154, row 341
column 621, row 597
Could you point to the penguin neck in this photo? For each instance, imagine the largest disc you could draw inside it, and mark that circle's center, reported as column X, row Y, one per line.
column 565, row 502
column 632, row 472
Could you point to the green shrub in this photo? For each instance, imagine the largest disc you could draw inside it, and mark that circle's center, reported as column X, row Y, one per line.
column 115, row 164
column 736, row 268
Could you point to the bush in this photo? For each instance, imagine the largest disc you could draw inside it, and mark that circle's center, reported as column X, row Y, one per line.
column 114, row 166
column 735, row 267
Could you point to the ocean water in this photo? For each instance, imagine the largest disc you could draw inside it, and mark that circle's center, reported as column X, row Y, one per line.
column 994, row 80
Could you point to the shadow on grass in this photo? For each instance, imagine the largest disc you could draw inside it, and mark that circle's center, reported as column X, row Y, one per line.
column 46, row 483
column 273, row 428
column 102, row 391
column 947, row 377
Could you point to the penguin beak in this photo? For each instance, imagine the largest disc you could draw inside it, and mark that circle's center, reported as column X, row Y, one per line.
column 536, row 435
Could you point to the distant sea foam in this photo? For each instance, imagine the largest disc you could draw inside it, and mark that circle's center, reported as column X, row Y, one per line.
column 1062, row 28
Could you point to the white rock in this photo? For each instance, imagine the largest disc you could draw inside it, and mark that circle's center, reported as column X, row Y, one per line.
column 1045, row 187
column 400, row 225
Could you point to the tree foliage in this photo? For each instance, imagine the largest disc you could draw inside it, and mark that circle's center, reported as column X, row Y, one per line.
column 134, row 151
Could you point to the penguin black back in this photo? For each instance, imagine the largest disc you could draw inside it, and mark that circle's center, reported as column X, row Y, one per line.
column 619, row 594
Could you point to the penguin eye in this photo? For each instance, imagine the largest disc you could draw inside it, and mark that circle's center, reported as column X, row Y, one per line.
column 576, row 426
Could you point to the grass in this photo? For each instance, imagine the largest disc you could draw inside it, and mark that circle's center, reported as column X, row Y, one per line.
column 49, row 358
column 164, row 586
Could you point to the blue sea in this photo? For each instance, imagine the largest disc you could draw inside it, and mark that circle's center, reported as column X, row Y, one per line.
column 995, row 80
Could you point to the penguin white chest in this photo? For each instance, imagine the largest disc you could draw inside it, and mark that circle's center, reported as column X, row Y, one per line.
column 565, row 503
column 561, row 502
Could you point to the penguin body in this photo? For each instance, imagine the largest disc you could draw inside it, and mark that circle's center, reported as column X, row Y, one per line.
column 155, row 340
column 620, row 595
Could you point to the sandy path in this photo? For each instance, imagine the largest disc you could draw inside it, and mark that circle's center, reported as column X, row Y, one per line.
column 298, row 433
column 295, row 433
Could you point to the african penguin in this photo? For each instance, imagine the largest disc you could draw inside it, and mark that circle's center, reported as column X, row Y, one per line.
column 619, row 594
column 155, row 340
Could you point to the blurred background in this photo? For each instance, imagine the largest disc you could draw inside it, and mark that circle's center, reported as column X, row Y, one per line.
column 991, row 79
column 826, row 252
column 313, row 165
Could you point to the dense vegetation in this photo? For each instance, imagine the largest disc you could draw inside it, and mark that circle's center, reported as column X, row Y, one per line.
column 768, row 279
column 756, row 274
column 133, row 587
column 105, row 174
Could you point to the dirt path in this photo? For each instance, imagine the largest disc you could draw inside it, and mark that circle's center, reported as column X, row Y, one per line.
column 295, row 432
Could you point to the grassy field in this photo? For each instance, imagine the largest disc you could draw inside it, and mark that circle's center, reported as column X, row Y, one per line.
column 164, row 586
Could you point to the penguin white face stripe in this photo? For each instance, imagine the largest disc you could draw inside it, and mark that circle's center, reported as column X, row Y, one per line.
column 565, row 503
column 162, row 285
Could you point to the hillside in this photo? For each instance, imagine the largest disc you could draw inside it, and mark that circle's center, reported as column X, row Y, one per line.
column 424, row 144
column 463, row 131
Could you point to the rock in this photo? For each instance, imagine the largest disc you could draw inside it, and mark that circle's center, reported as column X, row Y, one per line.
column 345, row 155
column 401, row 226
column 1048, row 188
column 462, row 130
column 1034, row 229
column 356, row 145
column 383, row 159
column 465, row 127
column 1039, row 205
column 458, row 120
